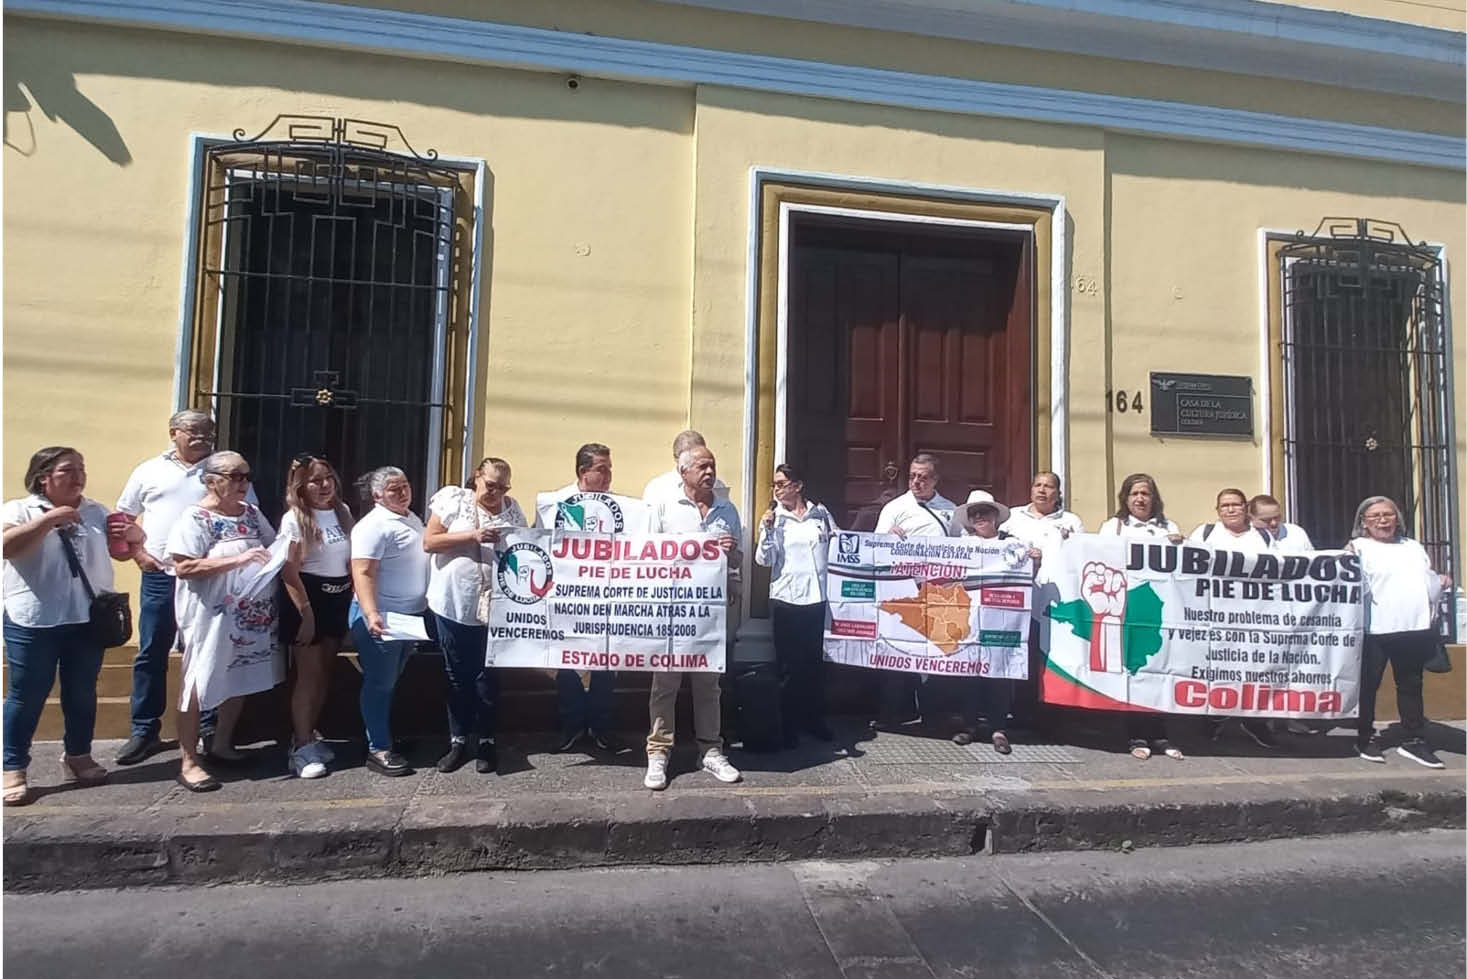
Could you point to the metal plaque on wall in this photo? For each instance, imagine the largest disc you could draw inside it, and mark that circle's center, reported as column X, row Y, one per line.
column 1201, row 404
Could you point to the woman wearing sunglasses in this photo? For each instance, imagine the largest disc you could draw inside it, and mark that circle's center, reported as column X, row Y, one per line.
column 464, row 524
column 226, row 617
column 313, row 618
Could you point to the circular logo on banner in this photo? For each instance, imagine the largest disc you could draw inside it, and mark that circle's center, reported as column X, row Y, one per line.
column 1014, row 553
column 595, row 513
column 525, row 574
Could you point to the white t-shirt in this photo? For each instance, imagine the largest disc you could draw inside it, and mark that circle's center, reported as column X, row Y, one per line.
column 1131, row 527
column 455, row 578
column 669, row 486
column 1401, row 589
column 917, row 518
column 40, row 590
column 158, row 491
column 395, row 542
column 1250, row 541
column 796, row 551
column 329, row 557
column 1048, row 532
column 1292, row 539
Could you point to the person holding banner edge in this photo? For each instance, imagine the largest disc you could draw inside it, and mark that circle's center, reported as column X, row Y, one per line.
column 794, row 543
column 1402, row 592
column 1141, row 513
column 1043, row 523
column 389, row 570
column 698, row 510
column 586, row 708
column 919, row 512
column 989, row 699
column 464, row 525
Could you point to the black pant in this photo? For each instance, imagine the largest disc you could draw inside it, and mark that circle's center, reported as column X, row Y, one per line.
column 987, row 700
column 473, row 688
column 1145, row 726
column 1407, row 652
column 799, row 648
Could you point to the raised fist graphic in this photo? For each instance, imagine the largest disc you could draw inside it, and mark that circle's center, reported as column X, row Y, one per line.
column 1104, row 590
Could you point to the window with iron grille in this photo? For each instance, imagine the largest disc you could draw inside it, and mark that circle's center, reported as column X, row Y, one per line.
column 332, row 313
column 1367, row 382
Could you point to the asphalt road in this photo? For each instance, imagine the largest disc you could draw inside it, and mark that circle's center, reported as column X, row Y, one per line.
column 1361, row 905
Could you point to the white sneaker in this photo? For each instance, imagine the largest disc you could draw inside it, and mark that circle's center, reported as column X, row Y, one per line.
column 306, row 761
column 715, row 764
column 656, row 778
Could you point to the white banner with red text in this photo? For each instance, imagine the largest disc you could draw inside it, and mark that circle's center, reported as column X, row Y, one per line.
column 569, row 600
column 1187, row 629
column 948, row 606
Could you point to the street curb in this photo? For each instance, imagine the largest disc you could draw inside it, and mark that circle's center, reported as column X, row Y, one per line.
column 280, row 844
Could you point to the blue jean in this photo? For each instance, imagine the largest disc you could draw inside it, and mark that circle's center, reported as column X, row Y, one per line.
column 156, row 631
column 382, row 662
column 473, row 688
column 582, row 709
column 33, row 658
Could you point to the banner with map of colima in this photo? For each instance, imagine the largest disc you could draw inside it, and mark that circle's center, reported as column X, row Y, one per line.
column 1186, row 629
column 952, row 606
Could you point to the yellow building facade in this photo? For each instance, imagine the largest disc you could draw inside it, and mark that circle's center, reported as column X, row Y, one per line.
column 640, row 216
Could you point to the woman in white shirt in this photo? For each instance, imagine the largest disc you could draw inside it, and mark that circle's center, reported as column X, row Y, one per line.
column 464, row 524
column 313, row 617
column 226, row 613
column 1234, row 531
column 1045, row 524
column 47, row 613
column 794, row 543
column 389, row 570
column 1401, row 601
column 1141, row 513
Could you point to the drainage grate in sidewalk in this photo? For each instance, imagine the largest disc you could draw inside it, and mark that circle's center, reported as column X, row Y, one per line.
column 888, row 750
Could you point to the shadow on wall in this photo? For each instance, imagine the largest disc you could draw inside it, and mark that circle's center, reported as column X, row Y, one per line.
column 38, row 80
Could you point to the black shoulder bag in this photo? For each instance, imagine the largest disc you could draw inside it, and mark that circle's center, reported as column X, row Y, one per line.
column 109, row 614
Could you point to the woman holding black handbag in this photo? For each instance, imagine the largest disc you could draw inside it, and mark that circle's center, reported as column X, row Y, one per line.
column 56, row 565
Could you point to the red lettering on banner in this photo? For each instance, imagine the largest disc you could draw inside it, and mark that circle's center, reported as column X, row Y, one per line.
column 855, row 629
column 711, row 550
column 691, row 549
column 1254, row 697
column 1001, row 598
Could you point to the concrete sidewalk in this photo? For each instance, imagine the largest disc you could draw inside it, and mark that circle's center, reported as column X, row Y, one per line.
column 865, row 796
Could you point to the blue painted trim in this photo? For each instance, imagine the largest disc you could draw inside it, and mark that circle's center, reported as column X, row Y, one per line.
column 343, row 26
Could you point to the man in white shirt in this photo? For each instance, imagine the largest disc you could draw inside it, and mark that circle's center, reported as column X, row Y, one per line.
column 919, row 512
column 1268, row 516
column 157, row 493
column 696, row 511
column 669, row 486
column 587, row 709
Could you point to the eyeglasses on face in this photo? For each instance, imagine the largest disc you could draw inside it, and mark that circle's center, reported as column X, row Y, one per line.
column 496, row 486
column 233, row 477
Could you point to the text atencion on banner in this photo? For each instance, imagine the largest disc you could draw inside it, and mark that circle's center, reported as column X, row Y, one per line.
column 1186, row 629
column 952, row 606
column 651, row 602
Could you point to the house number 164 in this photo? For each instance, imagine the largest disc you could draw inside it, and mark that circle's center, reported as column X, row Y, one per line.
column 1123, row 401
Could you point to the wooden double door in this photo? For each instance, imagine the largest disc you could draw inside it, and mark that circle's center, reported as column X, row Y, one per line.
column 905, row 339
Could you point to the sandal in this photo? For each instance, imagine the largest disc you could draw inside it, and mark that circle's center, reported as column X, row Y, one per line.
column 1001, row 743
column 82, row 770
column 17, row 791
column 1166, row 748
column 1140, row 751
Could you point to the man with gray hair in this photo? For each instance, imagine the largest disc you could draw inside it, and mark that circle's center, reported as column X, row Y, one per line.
column 696, row 510
column 159, row 490
column 669, row 486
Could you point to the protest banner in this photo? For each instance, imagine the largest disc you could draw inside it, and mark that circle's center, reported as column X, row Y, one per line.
column 1187, row 629
column 953, row 606
column 594, row 513
column 650, row 602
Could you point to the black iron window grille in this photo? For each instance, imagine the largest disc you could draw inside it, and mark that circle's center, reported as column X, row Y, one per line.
column 332, row 300
column 1367, row 362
